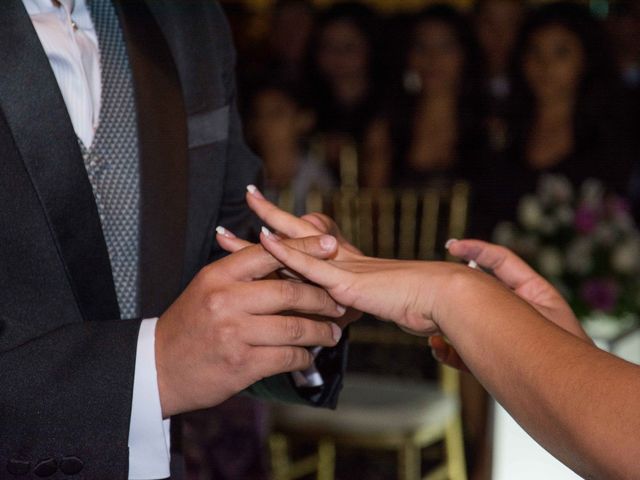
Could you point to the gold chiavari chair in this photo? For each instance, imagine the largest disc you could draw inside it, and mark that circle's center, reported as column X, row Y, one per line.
column 375, row 411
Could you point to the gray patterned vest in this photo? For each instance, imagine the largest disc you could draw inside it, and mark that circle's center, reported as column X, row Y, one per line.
column 112, row 161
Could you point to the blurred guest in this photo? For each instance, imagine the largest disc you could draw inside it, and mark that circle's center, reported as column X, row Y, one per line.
column 566, row 114
column 280, row 122
column 624, row 29
column 239, row 18
column 279, row 43
column 343, row 75
column 288, row 39
column 497, row 23
column 435, row 124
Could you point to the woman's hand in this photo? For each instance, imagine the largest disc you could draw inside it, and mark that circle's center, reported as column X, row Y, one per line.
column 405, row 292
column 522, row 279
column 290, row 226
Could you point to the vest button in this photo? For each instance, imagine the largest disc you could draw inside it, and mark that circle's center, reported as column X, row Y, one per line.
column 71, row 465
column 46, row 468
column 18, row 467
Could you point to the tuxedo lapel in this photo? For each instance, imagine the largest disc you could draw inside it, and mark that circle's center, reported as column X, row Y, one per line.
column 43, row 133
column 162, row 133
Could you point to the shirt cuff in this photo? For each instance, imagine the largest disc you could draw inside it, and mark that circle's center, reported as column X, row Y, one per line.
column 310, row 377
column 149, row 434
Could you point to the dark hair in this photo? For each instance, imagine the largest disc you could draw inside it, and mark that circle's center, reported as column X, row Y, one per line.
column 281, row 5
column 599, row 82
column 292, row 90
column 481, row 4
column 361, row 17
column 459, row 25
column 364, row 20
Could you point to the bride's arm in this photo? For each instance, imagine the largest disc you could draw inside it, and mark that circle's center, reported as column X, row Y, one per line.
column 579, row 402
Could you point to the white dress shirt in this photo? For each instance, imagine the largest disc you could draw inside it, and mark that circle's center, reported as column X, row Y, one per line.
column 69, row 39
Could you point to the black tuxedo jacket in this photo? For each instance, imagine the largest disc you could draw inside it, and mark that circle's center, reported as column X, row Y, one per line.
column 66, row 357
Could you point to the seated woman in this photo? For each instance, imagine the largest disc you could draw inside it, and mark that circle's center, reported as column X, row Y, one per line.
column 433, row 126
column 343, row 78
column 518, row 337
column 566, row 115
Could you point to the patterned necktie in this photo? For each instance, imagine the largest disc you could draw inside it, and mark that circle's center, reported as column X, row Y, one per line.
column 112, row 161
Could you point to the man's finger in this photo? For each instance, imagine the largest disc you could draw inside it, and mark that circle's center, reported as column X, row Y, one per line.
column 268, row 297
column 326, row 225
column 279, row 220
column 280, row 330
column 274, row 360
column 506, row 265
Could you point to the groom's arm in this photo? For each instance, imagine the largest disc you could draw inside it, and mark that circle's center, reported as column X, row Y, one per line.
column 65, row 399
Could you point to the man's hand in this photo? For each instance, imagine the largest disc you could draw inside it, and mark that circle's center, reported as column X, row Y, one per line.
column 287, row 225
column 224, row 333
column 522, row 279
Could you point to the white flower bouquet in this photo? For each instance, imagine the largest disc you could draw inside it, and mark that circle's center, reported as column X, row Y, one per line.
column 584, row 242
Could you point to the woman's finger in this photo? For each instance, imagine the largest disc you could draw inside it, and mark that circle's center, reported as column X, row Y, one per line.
column 505, row 264
column 317, row 271
column 323, row 223
column 279, row 220
column 229, row 242
column 256, row 262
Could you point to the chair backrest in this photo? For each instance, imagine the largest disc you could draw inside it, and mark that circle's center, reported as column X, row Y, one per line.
column 405, row 223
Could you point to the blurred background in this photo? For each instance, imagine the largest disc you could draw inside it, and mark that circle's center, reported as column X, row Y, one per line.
column 376, row 112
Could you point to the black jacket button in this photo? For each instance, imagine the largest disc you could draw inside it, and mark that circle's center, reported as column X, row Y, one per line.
column 71, row 465
column 46, row 468
column 18, row 467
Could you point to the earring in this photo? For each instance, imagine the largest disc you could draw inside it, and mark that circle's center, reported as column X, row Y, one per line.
column 412, row 82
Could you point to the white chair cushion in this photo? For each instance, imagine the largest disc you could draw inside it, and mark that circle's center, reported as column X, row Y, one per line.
column 371, row 404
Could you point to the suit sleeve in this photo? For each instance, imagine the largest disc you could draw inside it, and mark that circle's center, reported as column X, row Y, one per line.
column 244, row 168
column 65, row 400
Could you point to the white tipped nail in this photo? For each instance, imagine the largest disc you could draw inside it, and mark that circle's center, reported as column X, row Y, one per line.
column 224, row 232
column 450, row 242
column 336, row 331
column 253, row 190
column 266, row 232
column 472, row 264
column 341, row 310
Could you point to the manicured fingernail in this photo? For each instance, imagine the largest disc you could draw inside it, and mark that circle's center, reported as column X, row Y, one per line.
column 341, row 310
column 224, row 232
column 473, row 264
column 450, row 242
column 327, row 242
column 336, row 331
column 269, row 235
column 253, row 190
column 435, row 355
